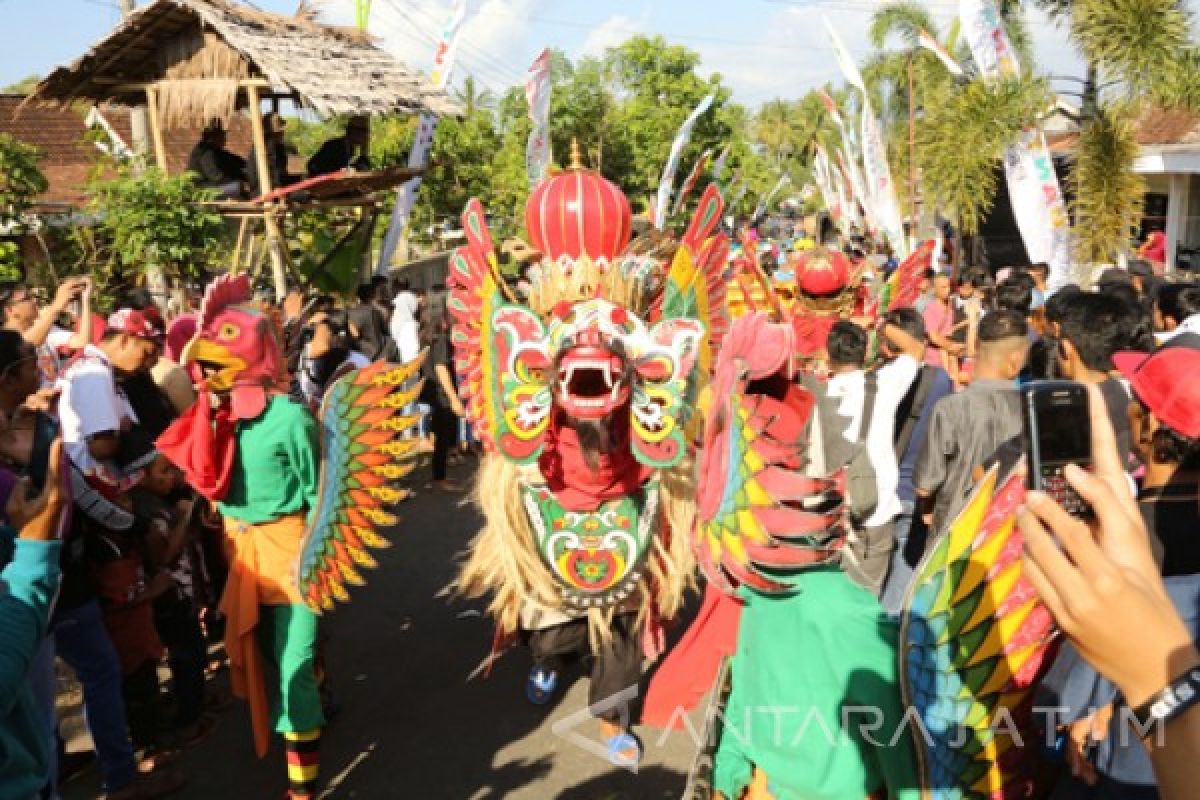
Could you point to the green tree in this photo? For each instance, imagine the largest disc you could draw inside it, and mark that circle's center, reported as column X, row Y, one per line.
column 962, row 139
column 21, row 181
column 658, row 87
column 24, row 86
column 1141, row 51
column 150, row 220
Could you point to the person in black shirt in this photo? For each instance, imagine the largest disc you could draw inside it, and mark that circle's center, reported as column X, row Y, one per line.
column 349, row 150
column 1166, row 436
column 1091, row 329
column 439, row 391
column 215, row 166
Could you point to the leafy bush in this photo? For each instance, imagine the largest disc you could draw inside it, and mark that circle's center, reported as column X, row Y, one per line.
column 151, row 220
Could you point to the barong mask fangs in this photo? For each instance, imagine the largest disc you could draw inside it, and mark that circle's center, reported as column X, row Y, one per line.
column 593, row 340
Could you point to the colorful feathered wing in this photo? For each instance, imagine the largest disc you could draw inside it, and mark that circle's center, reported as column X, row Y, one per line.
column 695, row 285
column 499, row 350
column 362, row 454
column 758, row 518
column 903, row 288
column 975, row 641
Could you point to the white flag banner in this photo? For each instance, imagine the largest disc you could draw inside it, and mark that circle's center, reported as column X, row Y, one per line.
column 821, row 176
column 926, row 40
column 765, row 205
column 418, row 156
column 1037, row 200
column 719, row 166
column 845, row 62
column 880, row 188
column 537, row 93
column 665, row 186
column 858, row 193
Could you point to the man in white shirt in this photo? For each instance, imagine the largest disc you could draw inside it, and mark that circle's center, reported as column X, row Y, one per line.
column 403, row 326
column 850, row 387
column 93, row 411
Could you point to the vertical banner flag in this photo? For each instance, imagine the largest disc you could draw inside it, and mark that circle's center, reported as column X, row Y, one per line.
column 719, row 167
column 537, row 93
column 846, row 193
column 826, row 180
column 926, row 40
column 692, row 179
column 849, row 165
column 418, row 156
column 668, row 176
column 737, row 189
column 1037, row 200
column 880, row 190
column 765, row 205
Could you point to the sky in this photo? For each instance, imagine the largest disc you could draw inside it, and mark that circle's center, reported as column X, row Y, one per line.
column 763, row 49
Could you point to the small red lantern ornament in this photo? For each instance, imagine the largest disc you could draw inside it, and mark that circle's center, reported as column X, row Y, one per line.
column 578, row 214
column 821, row 272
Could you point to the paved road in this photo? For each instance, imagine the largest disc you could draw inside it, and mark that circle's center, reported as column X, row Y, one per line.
column 411, row 725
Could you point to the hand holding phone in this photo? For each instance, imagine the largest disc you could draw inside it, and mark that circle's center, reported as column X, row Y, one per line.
column 1058, row 432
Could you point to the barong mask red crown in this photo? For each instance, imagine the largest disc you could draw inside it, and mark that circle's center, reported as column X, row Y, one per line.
column 604, row 330
column 235, row 351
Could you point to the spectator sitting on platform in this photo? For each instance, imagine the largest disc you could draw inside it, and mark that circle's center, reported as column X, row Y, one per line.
column 349, row 150
column 217, row 167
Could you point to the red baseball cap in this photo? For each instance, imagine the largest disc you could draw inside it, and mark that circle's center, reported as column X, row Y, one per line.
column 134, row 323
column 1168, row 381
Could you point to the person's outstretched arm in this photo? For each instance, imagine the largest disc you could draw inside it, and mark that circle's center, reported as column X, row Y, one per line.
column 32, row 580
column 1102, row 584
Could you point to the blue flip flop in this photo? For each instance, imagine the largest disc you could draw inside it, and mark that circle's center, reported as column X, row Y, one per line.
column 618, row 744
column 540, row 685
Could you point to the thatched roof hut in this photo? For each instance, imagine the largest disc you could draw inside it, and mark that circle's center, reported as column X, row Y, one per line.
column 197, row 54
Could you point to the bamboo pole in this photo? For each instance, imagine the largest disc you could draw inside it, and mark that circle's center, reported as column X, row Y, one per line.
column 275, row 243
column 156, row 134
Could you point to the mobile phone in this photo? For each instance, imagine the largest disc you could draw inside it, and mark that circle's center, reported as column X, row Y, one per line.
column 1058, row 432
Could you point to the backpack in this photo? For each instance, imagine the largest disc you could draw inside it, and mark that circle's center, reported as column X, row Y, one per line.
column 862, row 492
column 911, row 407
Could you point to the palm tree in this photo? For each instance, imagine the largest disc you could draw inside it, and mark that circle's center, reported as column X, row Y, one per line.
column 1137, row 53
column 965, row 124
column 473, row 99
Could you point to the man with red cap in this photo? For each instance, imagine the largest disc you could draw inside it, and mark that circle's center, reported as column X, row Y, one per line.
column 94, row 410
column 1164, row 419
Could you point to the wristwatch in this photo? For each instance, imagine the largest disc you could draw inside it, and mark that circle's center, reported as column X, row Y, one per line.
column 1178, row 696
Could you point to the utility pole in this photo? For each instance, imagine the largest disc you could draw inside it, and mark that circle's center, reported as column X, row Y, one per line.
column 137, row 115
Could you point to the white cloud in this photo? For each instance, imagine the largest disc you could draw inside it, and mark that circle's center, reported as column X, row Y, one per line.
column 612, row 32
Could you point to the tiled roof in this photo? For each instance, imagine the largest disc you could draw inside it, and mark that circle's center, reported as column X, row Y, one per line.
column 1159, row 126
column 67, row 155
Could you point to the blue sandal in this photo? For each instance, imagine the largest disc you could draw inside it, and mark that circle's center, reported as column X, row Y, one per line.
column 540, row 685
column 619, row 745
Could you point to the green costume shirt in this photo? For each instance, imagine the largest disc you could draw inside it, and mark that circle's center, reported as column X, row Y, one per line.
column 816, row 698
column 276, row 468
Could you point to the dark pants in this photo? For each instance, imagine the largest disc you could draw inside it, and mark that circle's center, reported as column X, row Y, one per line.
column 445, row 430
column 142, row 704
column 81, row 640
column 910, row 545
column 179, row 630
column 872, row 553
column 615, row 668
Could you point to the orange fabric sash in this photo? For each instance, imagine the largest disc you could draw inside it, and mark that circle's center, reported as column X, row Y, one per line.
column 261, row 560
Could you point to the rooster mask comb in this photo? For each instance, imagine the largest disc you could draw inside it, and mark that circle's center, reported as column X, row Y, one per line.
column 235, row 351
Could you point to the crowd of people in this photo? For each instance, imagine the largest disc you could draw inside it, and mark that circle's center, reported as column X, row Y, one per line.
column 137, row 579
column 916, row 408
